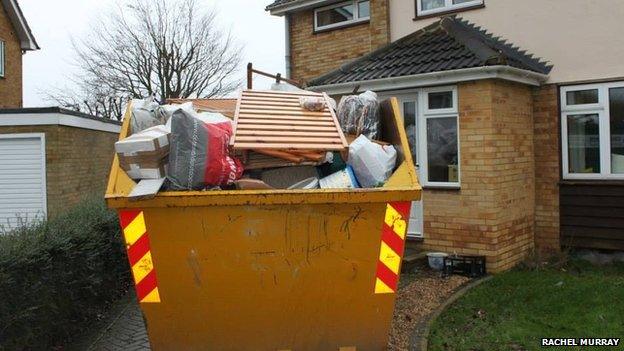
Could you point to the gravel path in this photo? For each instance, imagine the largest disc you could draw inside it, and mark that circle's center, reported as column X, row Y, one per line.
column 420, row 293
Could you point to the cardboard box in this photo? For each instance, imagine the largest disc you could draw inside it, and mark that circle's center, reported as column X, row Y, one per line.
column 144, row 155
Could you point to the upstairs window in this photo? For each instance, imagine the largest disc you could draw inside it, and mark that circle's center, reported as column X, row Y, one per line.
column 592, row 131
column 432, row 7
column 341, row 14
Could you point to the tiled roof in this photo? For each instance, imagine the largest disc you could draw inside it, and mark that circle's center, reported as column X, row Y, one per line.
column 227, row 107
column 278, row 3
column 449, row 44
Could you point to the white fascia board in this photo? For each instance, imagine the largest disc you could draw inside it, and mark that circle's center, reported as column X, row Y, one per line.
column 48, row 119
column 437, row 78
column 297, row 5
column 27, row 40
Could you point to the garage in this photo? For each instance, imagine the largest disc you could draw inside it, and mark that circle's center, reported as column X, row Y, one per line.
column 22, row 179
column 51, row 159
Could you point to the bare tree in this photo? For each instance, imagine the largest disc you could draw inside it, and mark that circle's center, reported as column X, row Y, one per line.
column 162, row 48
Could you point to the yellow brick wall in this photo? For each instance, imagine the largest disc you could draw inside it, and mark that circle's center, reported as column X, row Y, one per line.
column 11, row 83
column 314, row 54
column 493, row 212
column 77, row 163
column 547, row 167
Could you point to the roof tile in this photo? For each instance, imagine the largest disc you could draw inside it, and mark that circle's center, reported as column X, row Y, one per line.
column 449, row 44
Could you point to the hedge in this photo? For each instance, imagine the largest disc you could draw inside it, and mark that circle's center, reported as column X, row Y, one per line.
column 57, row 276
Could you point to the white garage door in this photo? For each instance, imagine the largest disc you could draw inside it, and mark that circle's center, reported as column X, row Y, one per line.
column 22, row 179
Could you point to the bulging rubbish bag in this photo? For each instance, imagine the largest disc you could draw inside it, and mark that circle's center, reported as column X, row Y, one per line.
column 199, row 155
column 360, row 115
column 372, row 163
column 312, row 103
column 144, row 115
column 165, row 112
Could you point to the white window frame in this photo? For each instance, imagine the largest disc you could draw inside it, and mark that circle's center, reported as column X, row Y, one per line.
column 448, row 6
column 602, row 109
column 427, row 114
column 2, row 58
column 356, row 15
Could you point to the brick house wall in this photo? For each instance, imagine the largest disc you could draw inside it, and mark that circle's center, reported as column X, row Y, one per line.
column 547, row 167
column 11, row 83
column 78, row 162
column 314, row 54
column 493, row 213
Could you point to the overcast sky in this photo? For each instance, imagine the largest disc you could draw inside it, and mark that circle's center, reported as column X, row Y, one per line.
column 54, row 23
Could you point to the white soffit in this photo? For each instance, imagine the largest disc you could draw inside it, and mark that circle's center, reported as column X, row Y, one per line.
column 46, row 119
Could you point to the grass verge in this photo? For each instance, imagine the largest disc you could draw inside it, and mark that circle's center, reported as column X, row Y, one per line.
column 516, row 309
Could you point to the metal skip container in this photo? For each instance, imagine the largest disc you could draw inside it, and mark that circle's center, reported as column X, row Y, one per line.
column 269, row 269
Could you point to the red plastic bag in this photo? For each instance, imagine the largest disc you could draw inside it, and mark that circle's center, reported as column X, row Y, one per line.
column 221, row 168
column 199, row 155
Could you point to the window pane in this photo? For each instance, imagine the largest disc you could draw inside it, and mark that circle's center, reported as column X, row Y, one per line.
column 616, row 107
column 443, row 99
column 442, row 153
column 583, row 143
column 409, row 117
column 581, row 97
column 364, row 9
column 455, row 2
column 432, row 4
column 336, row 15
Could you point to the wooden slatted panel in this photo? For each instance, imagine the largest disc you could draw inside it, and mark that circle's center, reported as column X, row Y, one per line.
column 275, row 120
column 592, row 215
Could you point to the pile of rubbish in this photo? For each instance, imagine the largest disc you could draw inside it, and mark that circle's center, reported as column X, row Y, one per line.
column 277, row 140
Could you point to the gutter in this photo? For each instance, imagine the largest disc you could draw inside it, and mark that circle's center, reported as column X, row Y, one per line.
column 437, row 78
column 295, row 6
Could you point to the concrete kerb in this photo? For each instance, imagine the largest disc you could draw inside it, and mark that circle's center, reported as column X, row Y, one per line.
column 420, row 337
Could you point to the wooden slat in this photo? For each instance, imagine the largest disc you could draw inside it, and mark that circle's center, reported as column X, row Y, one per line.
column 285, row 146
column 270, row 93
column 280, row 107
column 284, row 118
column 278, row 127
column 300, row 112
column 281, row 122
column 286, row 133
column 268, row 99
column 589, row 232
column 271, row 103
column 592, row 243
column 294, row 140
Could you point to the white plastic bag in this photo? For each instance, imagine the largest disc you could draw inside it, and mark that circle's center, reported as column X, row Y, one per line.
column 165, row 112
column 372, row 163
column 144, row 115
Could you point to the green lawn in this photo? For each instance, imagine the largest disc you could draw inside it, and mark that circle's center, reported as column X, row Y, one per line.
column 514, row 310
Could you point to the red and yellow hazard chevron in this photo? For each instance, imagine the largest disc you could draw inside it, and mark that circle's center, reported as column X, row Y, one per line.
column 392, row 245
column 140, row 255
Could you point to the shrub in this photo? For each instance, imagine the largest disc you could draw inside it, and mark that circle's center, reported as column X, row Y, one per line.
column 56, row 276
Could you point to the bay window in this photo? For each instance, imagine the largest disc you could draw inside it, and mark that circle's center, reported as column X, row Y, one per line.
column 341, row 14
column 592, row 131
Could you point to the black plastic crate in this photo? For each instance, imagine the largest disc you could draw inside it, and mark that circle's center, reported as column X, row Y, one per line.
column 469, row 266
